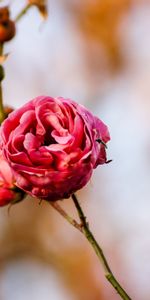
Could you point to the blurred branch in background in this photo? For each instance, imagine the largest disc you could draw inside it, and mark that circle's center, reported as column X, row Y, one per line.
column 40, row 4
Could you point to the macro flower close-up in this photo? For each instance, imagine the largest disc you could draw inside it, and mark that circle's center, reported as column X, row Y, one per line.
column 52, row 146
column 74, row 150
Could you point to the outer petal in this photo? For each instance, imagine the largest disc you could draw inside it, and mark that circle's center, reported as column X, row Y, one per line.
column 6, row 196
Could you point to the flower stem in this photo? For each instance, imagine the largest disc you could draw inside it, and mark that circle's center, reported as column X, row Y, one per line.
column 22, row 13
column 66, row 216
column 88, row 234
column 83, row 227
column 2, row 113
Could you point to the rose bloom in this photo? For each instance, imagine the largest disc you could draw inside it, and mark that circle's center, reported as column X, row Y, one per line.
column 53, row 145
column 7, row 194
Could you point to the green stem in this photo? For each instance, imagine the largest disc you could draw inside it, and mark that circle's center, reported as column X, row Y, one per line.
column 88, row 234
column 66, row 216
column 2, row 113
column 22, row 13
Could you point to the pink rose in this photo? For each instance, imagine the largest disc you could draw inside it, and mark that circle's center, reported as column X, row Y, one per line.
column 7, row 194
column 53, row 145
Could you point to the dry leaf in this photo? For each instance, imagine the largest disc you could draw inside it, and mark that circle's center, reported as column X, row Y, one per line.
column 41, row 5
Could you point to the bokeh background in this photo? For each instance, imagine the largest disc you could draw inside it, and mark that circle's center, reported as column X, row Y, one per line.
column 96, row 52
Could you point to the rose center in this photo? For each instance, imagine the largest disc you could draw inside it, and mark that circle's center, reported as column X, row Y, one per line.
column 49, row 140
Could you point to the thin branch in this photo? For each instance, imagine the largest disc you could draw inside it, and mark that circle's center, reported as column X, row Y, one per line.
column 69, row 219
column 84, row 228
column 88, row 234
column 2, row 113
column 22, row 12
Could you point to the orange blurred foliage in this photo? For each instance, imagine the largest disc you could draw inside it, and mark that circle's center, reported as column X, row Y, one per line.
column 78, row 274
column 98, row 21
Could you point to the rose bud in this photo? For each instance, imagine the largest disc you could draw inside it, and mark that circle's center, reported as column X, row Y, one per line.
column 4, row 14
column 7, row 31
column 7, row 27
column 9, row 193
column 53, row 145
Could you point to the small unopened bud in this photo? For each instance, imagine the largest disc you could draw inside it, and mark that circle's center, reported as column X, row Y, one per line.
column 7, row 31
column 4, row 14
column 7, row 26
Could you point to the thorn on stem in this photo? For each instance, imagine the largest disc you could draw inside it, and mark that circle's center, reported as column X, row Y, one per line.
column 109, row 161
column 101, row 142
column 40, row 201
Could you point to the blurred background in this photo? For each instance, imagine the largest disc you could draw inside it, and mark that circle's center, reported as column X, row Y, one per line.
column 96, row 52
